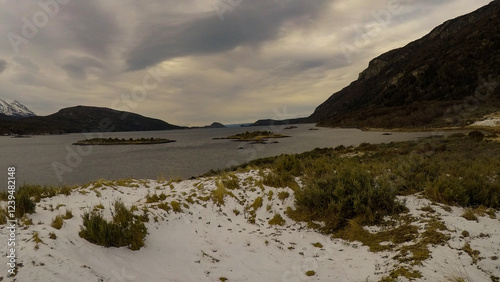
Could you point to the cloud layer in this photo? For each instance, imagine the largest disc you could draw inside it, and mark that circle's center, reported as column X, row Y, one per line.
column 196, row 61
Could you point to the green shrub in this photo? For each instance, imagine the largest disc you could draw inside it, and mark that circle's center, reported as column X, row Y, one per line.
column 472, row 184
column 476, row 135
column 280, row 179
column 351, row 192
column 123, row 230
column 448, row 190
column 24, row 202
column 289, row 164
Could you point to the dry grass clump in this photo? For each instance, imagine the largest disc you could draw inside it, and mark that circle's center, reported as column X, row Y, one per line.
column 218, row 194
column 277, row 220
column 57, row 222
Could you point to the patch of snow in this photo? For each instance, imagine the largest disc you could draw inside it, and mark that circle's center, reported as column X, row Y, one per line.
column 491, row 122
column 14, row 108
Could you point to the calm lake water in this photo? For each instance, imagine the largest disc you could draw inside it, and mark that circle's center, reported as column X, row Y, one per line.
column 52, row 160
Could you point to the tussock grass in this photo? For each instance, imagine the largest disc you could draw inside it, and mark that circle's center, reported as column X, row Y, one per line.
column 474, row 254
column 283, row 195
column 164, row 206
column 37, row 240
column 257, row 203
column 176, row 206
column 270, row 195
column 68, row 214
column 155, row 198
column 277, row 220
column 161, row 178
column 469, row 215
column 217, row 195
column 57, row 222
column 26, row 220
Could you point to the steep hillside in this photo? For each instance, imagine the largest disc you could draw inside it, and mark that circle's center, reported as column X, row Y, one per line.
column 447, row 78
column 83, row 118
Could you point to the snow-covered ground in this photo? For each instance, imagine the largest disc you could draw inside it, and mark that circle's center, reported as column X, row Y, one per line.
column 206, row 242
column 490, row 122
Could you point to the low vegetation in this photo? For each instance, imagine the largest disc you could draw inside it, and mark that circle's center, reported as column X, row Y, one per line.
column 257, row 136
column 277, row 220
column 57, row 222
column 125, row 228
column 123, row 141
column 345, row 189
column 361, row 184
column 28, row 195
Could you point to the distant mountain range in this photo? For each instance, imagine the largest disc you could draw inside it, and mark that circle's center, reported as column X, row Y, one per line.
column 80, row 119
column 450, row 77
column 213, row 125
column 14, row 109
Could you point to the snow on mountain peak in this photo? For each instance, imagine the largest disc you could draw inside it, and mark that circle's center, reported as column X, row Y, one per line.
column 14, row 108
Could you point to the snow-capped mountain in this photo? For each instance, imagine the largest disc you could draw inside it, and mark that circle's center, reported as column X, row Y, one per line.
column 15, row 109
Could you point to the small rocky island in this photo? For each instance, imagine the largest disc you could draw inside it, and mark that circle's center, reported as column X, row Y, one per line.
column 255, row 136
column 123, row 141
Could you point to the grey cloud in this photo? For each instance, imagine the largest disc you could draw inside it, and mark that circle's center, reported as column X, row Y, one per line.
column 90, row 26
column 3, row 65
column 251, row 23
column 26, row 79
column 79, row 67
column 26, row 63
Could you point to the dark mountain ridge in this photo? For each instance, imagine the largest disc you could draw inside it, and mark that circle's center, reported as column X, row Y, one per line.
column 84, row 118
column 417, row 85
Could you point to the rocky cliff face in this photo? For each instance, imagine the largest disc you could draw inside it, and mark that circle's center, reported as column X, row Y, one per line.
column 417, row 84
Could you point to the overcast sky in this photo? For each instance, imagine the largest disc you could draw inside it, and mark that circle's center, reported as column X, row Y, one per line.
column 192, row 62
